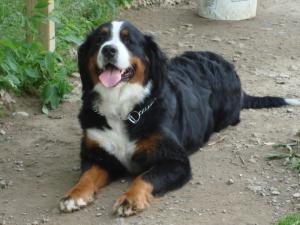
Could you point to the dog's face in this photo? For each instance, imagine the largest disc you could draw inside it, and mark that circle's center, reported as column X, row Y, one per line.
column 115, row 53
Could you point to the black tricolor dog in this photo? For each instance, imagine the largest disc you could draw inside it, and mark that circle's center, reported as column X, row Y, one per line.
column 143, row 113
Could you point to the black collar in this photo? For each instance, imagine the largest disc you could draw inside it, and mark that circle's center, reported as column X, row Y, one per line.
column 135, row 116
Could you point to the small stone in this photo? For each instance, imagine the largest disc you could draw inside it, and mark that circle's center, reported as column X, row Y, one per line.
column 75, row 74
column 188, row 25
column 292, row 68
column 76, row 168
column 252, row 160
column 3, row 222
column 241, row 45
column 199, row 183
column 230, row 181
column 289, row 110
column 22, row 114
column 278, row 81
column 99, row 214
column 216, row 39
column 19, row 163
column 231, row 42
column 282, row 75
column 3, row 184
column 35, row 222
column 55, row 117
column 180, row 44
column 44, row 195
column 45, row 220
column 296, row 195
column 244, row 38
column 2, row 132
column 39, row 174
column 275, row 192
column 224, row 211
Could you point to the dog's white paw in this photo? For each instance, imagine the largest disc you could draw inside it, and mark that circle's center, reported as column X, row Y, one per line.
column 68, row 204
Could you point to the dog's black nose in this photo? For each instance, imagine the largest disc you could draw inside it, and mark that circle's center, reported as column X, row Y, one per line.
column 109, row 51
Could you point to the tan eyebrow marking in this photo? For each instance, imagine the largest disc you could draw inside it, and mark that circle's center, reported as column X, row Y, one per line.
column 125, row 32
column 104, row 29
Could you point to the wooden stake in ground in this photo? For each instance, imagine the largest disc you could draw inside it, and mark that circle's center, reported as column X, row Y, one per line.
column 46, row 29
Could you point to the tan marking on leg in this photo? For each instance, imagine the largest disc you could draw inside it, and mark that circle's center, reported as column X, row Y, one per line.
column 139, row 76
column 83, row 192
column 136, row 199
column 148, row 143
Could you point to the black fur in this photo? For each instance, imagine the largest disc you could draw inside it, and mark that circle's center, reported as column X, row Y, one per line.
column 197, row 93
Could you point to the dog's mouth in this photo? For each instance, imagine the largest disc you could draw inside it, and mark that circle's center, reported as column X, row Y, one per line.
column 111, row 76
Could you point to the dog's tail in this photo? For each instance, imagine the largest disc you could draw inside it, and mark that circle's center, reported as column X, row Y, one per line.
column 254, row 102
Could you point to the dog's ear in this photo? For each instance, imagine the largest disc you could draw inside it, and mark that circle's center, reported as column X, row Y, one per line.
column 83, row 61
column 157, row 61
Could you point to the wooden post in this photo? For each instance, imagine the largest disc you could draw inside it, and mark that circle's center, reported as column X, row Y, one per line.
column 46, row 29
column 29, row 11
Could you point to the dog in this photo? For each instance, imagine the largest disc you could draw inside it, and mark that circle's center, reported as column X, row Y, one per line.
column 144, row 114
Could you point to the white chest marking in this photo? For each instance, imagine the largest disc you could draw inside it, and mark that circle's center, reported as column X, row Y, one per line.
column 115, row 141
column 119, row 101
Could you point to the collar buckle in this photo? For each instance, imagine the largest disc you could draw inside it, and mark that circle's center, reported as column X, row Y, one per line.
column 134, row 117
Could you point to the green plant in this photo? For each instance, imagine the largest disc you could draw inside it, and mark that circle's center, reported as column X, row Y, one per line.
column 290, row 153
column 291, row 219
column 28, row 68
column 1, row 111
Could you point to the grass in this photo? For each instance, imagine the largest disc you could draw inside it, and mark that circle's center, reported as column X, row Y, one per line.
column 291, row 219
column 290, row 153
column 29, row 68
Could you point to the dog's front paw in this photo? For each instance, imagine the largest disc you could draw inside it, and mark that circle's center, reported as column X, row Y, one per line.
column 71, row 203
column 132, row 203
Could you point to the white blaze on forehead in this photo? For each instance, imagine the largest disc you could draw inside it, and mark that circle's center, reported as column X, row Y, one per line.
column 123, row 55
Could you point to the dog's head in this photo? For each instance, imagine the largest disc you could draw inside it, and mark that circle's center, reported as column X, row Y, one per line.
column 117, row 53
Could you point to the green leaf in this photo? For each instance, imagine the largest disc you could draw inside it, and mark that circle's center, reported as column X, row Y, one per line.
column 45, row 109
column 12, row 63
column 277, row 155
column 72, row 39
column 51, row 96
column 295, row 163
column 13, row 80
column 41, row 4
column 49, row 61
column 8, row 43
column 32, row 73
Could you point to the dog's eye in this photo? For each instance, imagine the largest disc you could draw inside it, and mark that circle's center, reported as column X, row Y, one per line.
column 101, row 38
column 127, row 40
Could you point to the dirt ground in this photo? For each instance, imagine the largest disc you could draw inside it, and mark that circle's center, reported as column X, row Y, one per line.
column 39, row 155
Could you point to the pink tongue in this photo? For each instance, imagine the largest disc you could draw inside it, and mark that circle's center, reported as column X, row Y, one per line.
column 110, row 77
